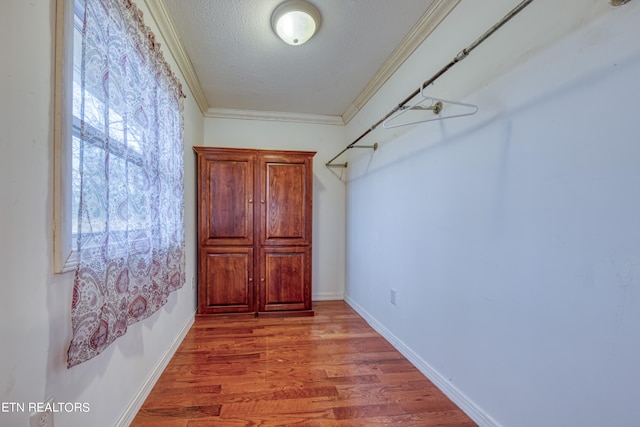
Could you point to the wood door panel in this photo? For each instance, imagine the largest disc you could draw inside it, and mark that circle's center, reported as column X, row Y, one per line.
column 285, row 276
column 226, row 280
column 286, row 186
column 227, row 200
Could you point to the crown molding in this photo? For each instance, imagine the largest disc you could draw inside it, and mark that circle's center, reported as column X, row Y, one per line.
column 162, row 18
column 277, row 116
column 428, row 22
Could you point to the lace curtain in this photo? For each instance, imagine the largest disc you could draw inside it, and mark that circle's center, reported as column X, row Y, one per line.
column 127, row 177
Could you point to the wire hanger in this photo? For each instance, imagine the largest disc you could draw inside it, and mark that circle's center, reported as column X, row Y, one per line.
column 435, row 104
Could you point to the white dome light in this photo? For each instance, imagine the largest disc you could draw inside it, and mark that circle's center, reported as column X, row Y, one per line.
column 295, row 21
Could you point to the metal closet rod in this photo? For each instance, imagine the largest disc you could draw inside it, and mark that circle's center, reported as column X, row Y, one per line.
column 459, row 57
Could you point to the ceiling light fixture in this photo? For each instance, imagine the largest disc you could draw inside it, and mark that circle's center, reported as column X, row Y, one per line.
column 295, row 21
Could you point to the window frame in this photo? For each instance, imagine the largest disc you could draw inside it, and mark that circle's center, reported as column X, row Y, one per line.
column 65, row 255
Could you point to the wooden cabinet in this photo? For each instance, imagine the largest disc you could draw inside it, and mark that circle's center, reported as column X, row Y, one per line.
column 254, row 231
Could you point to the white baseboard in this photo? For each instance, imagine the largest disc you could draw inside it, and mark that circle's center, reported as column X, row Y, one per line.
column 456, row 396
column 328, row 297
column 130, row 413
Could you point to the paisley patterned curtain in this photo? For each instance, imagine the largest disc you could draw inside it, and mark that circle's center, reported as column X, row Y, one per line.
column 128, row 176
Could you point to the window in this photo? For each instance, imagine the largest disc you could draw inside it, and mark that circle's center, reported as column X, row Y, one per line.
column 93, row 149
column 124, row 149
column 119, row 171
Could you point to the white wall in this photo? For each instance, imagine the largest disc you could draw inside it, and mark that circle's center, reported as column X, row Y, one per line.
column 512, row 237
column 328, row 266
column 35, row 324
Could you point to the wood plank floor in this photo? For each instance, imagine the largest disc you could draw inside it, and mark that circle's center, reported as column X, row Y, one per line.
column 332, row 369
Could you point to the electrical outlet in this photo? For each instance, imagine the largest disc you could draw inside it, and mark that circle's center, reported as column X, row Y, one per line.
column 44, row 418
column 392, row 296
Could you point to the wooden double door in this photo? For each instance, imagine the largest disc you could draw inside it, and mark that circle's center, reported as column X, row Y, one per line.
column 254, row 231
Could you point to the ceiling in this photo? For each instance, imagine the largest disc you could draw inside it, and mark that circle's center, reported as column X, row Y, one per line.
column 236, row 66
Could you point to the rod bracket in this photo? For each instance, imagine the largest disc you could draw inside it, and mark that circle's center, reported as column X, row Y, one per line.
column 374, row 147
column 436, row 108
column 337, row 165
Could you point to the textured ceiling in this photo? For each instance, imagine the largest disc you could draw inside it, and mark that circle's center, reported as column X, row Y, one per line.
column 241, row 64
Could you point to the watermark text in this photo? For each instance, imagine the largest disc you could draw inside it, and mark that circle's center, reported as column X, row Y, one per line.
column 33, row 407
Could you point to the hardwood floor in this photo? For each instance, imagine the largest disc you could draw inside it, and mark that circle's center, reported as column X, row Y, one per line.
column 332, row 369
